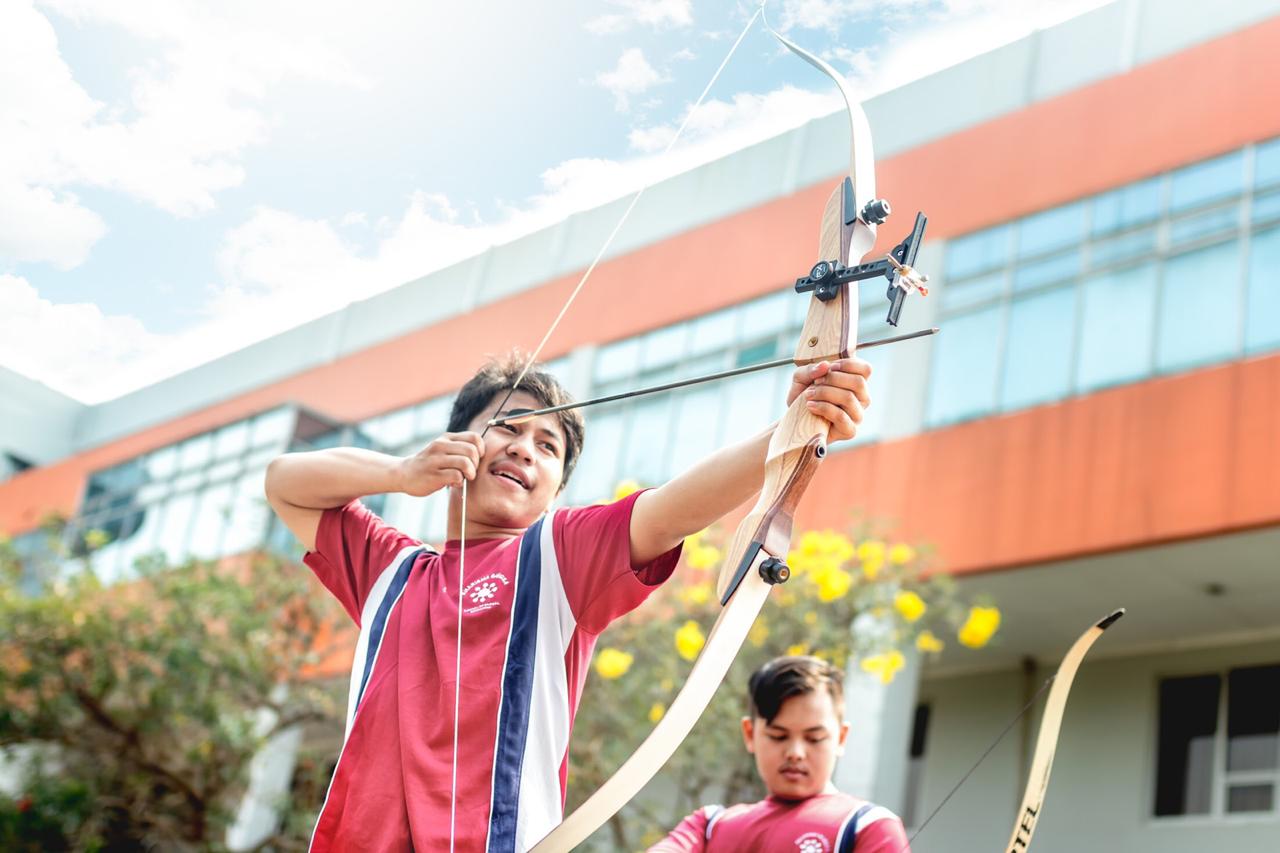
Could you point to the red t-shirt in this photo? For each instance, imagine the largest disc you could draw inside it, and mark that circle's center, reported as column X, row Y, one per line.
column 827, row 823
column 532, row 608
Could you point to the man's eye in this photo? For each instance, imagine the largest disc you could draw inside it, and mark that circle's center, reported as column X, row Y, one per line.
column 777, row 738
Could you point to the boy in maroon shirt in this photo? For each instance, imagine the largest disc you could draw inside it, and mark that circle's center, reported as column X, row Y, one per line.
column 463, row 691
column 796, row 730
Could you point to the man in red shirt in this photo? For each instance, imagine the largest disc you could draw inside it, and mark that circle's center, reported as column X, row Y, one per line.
column 462, row 700
column 796, row 730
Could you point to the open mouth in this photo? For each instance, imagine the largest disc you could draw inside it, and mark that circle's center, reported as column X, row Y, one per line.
column 513, row 476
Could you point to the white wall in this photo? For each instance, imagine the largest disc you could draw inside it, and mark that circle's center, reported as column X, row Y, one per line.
column 1101, row 790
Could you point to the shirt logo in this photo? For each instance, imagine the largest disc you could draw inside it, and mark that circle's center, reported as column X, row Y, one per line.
column 813, row 842
column 482, row 593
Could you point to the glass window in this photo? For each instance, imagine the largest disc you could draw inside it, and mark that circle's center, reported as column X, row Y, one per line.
column 393, row 429
column 1056, row 268
column 977, row 252
column 697, row 416
column 648, row 430
column 663, row 347
column 956, row 295
column 1266, row 164
column 209, row 520
column 713, row 332
column 1199, row 308
column 750, row 402
column 1051, row 229
column 195, row 452
column 433, row 417
column 1127, row 206
column 247, row 521
column 881, row 361
column 617, row 361
column 1201, row 183
column 162, row 463
column 175, row 526
column 274, row 427
column 1038, row 358
column 1116, row 327
column 767, row 315
column 231, row 440
column 1184, row 758
column 1123, row 247
column 1204, row 225
column 1262, row 305
column 963, row 377
column 1266, row 207
column 596, row 474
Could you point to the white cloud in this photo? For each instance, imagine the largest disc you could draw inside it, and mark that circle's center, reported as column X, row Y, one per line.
column 656, row 14
column 174, row 143
column 631, row 76
column 278, row 269
column 73, row 347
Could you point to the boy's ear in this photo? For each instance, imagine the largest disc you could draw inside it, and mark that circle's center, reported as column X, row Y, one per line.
column 844, row 735
column 748, row 732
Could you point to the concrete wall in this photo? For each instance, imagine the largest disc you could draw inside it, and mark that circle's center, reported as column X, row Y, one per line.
column 1101, row 790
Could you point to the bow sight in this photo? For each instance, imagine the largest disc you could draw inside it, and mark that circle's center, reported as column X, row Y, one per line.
column 826, row 277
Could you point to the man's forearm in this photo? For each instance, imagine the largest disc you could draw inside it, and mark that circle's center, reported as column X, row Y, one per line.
column 322, row 479
column 713, row 487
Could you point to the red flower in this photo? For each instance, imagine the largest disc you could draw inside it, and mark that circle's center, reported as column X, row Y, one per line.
column 24, row 804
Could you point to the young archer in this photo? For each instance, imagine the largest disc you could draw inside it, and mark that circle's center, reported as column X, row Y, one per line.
column 538, row 589
column 796, row 730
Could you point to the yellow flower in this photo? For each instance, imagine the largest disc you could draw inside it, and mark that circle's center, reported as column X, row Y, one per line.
column 613, row 663
column 95, row 539
column 901, row 553
column 927, row 642
column 884, row 665
column 834, row 584
column 666, row 684
column 810, row 618
column 978, row 629
column 698, row 593
column 798, row 649
column 910, row 605
column 872, row 549
column 689, row 640
column 656, row 710
column 703, row 557
column 759, row 633
column 626, row 487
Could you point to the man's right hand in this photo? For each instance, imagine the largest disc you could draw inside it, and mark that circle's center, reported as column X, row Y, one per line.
column 446, row 461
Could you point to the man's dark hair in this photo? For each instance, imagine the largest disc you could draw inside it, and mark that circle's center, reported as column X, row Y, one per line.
column 781, row 678
column 494, row 380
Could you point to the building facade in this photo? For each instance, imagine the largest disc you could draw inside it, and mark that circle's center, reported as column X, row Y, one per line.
column 1097, row 425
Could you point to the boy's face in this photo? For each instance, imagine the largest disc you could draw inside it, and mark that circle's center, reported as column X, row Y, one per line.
column 796, row 752
column 522, row 466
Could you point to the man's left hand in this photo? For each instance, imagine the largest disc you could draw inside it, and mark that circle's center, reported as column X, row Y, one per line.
column 836, row 391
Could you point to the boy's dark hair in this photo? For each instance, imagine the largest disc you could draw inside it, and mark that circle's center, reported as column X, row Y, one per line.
column 495, row 378
column 781, row 678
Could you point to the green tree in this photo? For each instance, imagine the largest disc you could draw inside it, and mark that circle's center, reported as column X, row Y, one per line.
column 141, row 702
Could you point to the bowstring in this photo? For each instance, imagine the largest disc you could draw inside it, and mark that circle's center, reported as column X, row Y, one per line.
column 981, row 758
column 528, row 364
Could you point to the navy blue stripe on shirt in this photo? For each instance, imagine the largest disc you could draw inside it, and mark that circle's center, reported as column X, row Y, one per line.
column 849, row 832
column 517, row 692
column 380, row 619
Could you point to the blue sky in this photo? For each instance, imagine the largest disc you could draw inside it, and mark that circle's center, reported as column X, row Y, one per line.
column 179, row 179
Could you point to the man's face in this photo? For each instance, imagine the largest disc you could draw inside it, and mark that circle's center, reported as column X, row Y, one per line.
column 796, row 752
column 522, row 466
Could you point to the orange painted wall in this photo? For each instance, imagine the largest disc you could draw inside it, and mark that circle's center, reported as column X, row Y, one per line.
column 1182, row 456
column 1202, row 101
